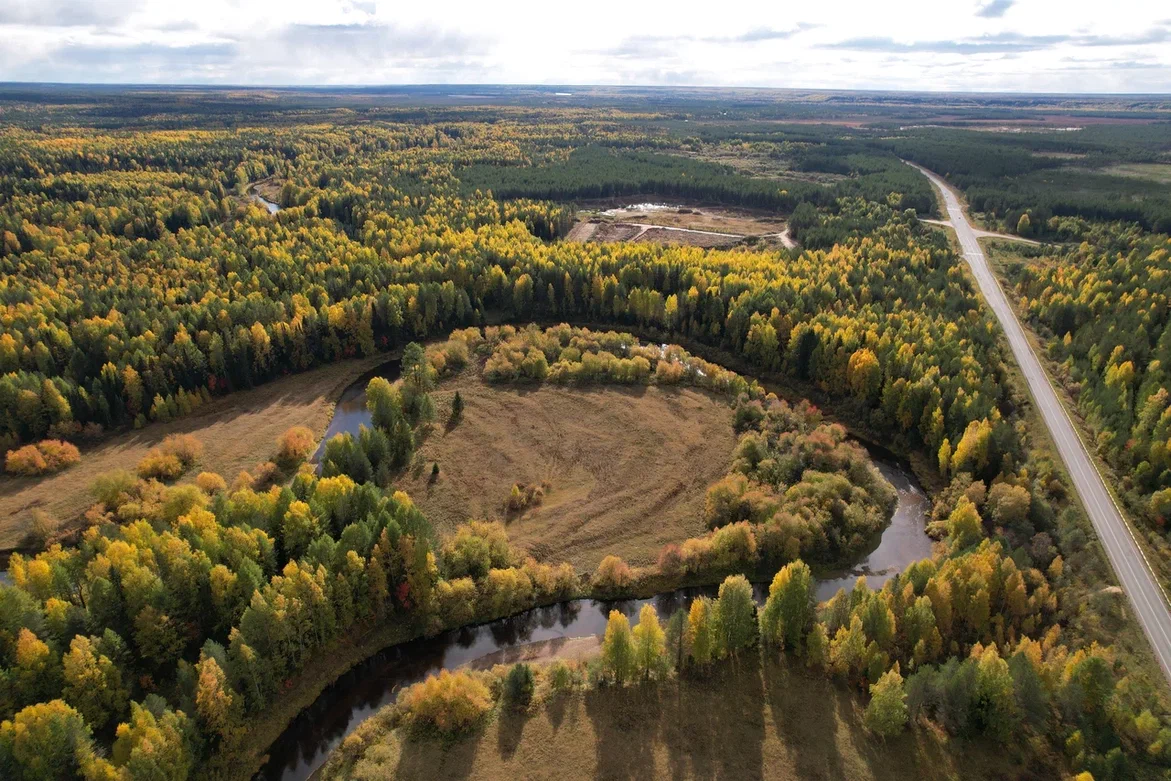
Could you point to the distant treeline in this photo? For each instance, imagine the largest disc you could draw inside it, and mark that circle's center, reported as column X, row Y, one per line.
column 593, row 172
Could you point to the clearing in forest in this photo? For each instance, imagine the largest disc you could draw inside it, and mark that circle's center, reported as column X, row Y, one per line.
column 627, row 468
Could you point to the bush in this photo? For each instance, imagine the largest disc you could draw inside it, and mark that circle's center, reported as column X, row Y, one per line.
column 41, row 529
column 519, row 685
column 294, row 446
column 112, row 489
column 157, row 465
column 613, row 574
column 171, row 459
column 45, row 457
column 185, row 447
column 449, row 702
column 265, row 475
column 210, row 482
column 560, row 676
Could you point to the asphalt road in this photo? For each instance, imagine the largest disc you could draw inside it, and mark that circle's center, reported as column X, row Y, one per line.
column 1130, row 564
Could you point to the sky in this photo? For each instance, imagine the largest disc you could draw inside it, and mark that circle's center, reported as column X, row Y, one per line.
column 938, row 45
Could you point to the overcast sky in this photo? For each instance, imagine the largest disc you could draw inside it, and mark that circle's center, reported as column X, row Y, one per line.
column 979, row 45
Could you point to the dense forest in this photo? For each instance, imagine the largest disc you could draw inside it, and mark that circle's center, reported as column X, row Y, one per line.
column 1104, row 307
column 139, row 279
column 1059, row 179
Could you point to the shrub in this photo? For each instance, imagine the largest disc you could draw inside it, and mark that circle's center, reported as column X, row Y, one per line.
column 186, row 447
column 613, row 574
column 46, row 456
column 265, row 475
column 560, row 676
column 449, row 702
column 519, row 685
column 294, row 446
column 41, row 529
column 113, row 488
column 525, row 495
column 171, row 459
column 210, row 482
column 58, row 454
column 671, row 560
column 160, row 466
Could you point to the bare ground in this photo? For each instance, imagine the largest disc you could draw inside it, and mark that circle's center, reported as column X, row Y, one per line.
column 628, row 468
column 238, row 432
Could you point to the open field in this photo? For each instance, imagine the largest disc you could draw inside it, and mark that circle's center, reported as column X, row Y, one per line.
column 695, row 226
column 744, row 723
column 238, row 432
column 628, row 467
column 1155, row 172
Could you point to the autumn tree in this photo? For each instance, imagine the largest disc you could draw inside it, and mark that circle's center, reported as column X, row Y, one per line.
column 737, row 614
column 649, row 643
column 618, row 652
column 886, row 713
column 788, row 611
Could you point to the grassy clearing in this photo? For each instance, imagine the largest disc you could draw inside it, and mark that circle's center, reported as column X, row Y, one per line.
column 238, row 432
column 743, row 722
column 1155, row 172
column 627, row 467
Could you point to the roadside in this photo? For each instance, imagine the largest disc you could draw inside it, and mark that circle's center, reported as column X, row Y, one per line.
column 1157, row 550
column 1114, row 530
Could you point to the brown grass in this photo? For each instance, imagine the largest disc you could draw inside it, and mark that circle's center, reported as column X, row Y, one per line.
column 238, row 432
column 739, row 724
column 627, row 467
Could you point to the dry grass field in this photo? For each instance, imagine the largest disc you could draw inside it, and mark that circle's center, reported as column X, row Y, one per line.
column 627, row 467
column 238, row 432
column 738, row 724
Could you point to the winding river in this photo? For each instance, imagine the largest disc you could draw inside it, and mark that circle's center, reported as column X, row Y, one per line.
column 359, row 693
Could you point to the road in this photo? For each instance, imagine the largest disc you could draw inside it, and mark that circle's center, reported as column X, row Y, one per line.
column 1129, row 562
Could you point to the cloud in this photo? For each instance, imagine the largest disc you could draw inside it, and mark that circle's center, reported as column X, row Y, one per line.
column 994, row 9
column 373, row 43
column 67, row 13
column 999, row 43
column 136, row 63
column 767, row 34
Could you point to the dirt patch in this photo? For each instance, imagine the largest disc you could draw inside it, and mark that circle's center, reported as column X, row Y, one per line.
column 568, row 648
column 694, row 226
column 627, row 467
column 238, row 432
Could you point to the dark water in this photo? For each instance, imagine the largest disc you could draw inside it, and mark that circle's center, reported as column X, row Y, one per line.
column 358, row 694
column 350, row 411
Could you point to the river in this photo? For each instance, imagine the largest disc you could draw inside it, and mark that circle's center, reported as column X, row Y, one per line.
column 358, row 694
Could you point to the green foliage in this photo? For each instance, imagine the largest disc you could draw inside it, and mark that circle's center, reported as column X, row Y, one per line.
column 886, row 713
column 736, row 613
column 519, row 684
column 618, row 652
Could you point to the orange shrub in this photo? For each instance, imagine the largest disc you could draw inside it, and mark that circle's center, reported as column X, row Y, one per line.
column 210, row 482
column 449, row 701
column 171, row 459
column 49, row 455
column 158, row 465
column 613, row 574
column 185, row 447
column 294, row 446
column 264, row 475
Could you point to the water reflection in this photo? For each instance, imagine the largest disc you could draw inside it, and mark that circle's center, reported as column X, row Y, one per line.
column 376, row 682
column 350, row 411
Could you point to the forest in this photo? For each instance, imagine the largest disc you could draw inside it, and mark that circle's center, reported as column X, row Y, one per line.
column 184, row 613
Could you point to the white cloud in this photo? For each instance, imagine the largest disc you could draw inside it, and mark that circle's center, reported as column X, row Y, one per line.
column 922, row 44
